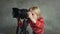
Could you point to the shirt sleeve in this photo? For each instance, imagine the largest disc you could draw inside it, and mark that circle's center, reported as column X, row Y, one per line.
column 40, row 23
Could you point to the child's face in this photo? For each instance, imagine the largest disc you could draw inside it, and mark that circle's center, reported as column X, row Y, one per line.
column 33, row 14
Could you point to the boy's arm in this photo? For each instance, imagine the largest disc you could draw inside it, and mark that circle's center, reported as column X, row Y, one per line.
column 40, row 23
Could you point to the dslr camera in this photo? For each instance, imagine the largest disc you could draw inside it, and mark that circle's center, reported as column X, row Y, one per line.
column 21, row 13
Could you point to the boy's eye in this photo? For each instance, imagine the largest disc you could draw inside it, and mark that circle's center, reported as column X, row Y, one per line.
column 32, row 14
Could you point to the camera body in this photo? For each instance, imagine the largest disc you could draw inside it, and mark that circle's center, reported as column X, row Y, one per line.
column 21, row 13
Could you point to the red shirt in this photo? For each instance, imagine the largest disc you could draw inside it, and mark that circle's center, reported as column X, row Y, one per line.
column 37, row 27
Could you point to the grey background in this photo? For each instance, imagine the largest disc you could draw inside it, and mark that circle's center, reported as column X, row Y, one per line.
column 50, row 10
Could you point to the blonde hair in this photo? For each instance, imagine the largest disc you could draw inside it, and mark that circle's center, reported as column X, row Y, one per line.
column 37, row 10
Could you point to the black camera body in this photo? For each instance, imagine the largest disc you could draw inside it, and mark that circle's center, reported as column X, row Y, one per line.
column 22, row 13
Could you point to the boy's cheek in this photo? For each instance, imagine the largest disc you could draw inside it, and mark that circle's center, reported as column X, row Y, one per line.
column 35, row 17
